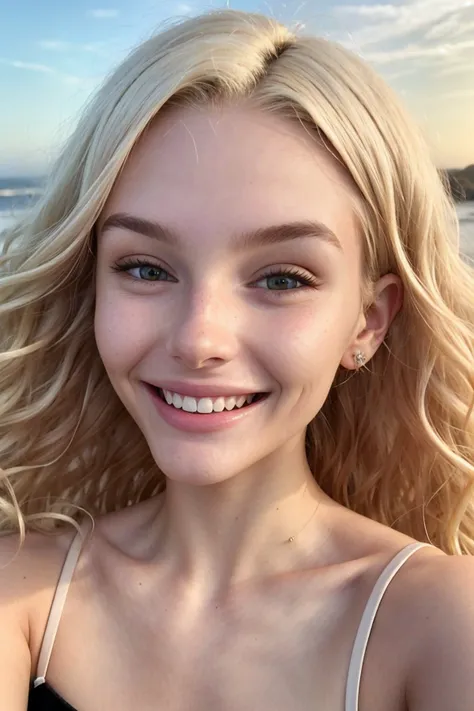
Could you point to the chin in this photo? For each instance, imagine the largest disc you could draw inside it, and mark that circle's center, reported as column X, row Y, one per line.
column 197, row 464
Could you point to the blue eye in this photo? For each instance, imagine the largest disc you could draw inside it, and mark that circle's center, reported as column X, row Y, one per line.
column 148, row 273
column 287, row 280
column 281, row 282
column 277, row 280
column 142, row 271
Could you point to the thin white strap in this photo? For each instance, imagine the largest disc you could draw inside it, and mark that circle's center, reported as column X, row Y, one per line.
column 57, row 606
column 367, row 621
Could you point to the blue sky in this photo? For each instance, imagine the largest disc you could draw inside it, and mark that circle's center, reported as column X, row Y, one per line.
column 54, row 53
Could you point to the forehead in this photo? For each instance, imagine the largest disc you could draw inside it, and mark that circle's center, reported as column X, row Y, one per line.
column 227, row 168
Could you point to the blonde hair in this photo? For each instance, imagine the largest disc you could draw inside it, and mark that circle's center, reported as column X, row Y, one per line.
column 395, row 443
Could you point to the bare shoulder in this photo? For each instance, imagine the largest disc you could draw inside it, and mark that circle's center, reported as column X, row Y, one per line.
column 436, row 617
column 438, row 594
column 422, row 645
column 28, row 574
column 27, row 577
column 25, row 569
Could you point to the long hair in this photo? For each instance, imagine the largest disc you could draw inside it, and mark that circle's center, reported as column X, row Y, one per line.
column 394, row 442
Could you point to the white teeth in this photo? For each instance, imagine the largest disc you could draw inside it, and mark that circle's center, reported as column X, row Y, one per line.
column 219, row 404
column 190, row 404
column 206, row 405
column 177, row 401
column 230, row 403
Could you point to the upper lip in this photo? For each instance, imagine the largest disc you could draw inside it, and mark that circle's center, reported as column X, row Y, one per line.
column 199, row 390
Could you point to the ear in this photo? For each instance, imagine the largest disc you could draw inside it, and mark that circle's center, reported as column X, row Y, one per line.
column 375, row 322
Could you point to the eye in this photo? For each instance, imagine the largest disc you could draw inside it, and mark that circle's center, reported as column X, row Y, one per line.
column 141, row 270
column 286, row 280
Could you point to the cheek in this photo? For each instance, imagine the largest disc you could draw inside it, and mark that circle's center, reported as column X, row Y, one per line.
column 310, row 342
column 123, row 330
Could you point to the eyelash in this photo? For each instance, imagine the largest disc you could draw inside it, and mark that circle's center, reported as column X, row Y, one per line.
column 306, row 280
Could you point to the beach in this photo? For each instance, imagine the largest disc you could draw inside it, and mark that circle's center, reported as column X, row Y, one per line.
column 465, row 212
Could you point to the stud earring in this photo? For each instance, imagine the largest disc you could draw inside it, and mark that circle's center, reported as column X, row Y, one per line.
column 360, row 359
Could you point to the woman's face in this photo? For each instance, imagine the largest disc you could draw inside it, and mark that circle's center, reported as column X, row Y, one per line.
column 228, row 264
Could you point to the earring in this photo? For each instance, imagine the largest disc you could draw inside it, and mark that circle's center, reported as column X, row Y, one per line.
column 360, row 359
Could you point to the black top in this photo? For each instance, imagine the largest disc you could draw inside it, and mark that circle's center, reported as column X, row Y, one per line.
column 44, row 698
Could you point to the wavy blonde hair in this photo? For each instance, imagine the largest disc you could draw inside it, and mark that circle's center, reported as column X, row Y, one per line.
column 395, row 443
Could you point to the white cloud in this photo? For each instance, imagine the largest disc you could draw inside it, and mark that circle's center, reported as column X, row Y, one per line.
column 410, row 52
column 95, row 48
column 406, row 71
column 375, row 12
column 459, row 68
column 187, row 8
column 450, row 26
column 44, row 69
column 99, row 48
column 104, row 14
column 54, row 45
column 458, row 94
column 453, row 26
column 417, row 51
column 31, row 66
column 385, row 22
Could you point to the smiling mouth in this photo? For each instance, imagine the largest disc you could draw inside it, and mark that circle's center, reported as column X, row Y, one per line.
column 207, row 405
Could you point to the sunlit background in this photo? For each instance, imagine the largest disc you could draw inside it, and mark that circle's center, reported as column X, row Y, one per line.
column 53, row 54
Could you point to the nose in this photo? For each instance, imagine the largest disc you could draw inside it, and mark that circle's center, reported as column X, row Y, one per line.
column 203, row 333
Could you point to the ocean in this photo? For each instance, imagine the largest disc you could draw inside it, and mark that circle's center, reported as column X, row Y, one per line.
column 16, row 194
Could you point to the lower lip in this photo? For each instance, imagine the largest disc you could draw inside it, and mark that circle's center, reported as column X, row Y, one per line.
column 195, row 422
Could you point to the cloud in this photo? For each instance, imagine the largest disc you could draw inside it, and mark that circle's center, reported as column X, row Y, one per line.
column 410, row 52
column 374, row 12
column 432, row 33
column 418, row 51
column 453, row 26
column 385, row 22
column 104, row 14
column 185, row 8
column 60, row 46
column 31, row 66
column 458, row 94
column 54, row 45
column 44, row 69
column 458, row 68
column 95, row 48
column 406, row 71
column 447, row 27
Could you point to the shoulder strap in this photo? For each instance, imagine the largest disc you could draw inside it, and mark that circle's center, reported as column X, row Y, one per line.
column 367, row 621
column 57, row 605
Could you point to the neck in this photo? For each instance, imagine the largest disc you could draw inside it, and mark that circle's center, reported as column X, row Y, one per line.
column 260, row 523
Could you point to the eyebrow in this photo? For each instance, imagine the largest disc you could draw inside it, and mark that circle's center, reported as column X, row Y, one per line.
column 262, row 236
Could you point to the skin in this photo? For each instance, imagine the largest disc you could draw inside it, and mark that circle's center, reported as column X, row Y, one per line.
column 197, row 599
column 210, row 326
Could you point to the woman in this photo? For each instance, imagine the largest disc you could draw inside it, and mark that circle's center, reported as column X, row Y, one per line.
column 238, row 335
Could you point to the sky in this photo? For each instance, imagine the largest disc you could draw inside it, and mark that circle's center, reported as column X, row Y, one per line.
column 54, row 53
